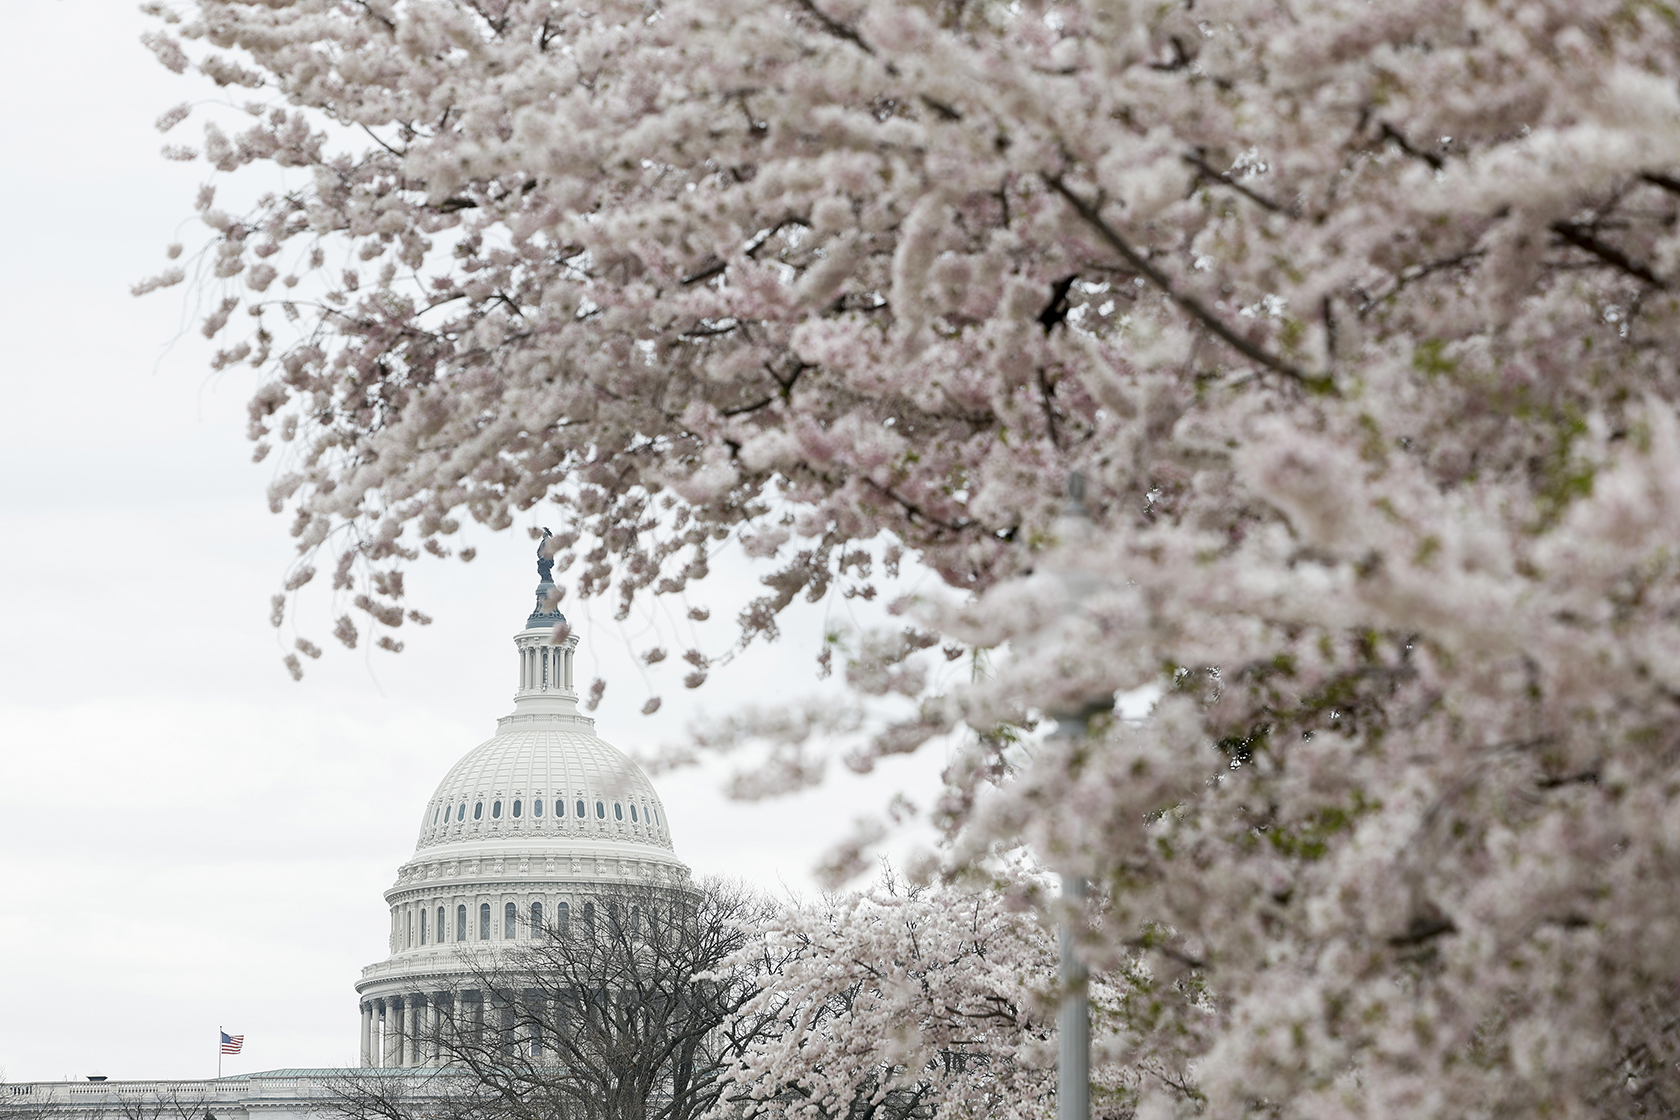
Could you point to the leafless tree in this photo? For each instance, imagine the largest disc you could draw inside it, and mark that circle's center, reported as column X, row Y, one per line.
column 23, row 1101
column 617, row 1012
column 164, row 1101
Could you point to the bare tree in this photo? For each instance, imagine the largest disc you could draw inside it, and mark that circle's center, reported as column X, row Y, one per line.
column 176, row 1100
column 618, row 1011
column 25, row 1101
column 117, row 1100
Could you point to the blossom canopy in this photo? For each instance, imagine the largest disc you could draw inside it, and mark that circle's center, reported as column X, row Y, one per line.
column 1359, row 321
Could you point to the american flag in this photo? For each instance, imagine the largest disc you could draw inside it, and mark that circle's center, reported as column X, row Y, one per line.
column 232, row 1042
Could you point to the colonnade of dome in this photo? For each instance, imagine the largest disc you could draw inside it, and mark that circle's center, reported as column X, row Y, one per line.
column 524, row 833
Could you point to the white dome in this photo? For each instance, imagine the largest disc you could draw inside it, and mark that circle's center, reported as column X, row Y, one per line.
column 533, row 824
column 527, row 784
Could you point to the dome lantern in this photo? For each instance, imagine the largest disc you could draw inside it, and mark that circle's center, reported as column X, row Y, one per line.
column 545, row 665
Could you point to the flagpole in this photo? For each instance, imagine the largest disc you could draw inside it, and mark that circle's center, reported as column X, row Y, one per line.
column 219, row 1032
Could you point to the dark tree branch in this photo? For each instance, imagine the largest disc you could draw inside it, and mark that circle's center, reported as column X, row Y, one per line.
column 1582, row 238
column 913, row 511
column 1056, row 311
column 1188, row 303
column 1047, row 399
column 742, row 410
column 1253, row 196
column 835, row 27
column 1423, row 928
column 1394, row 135
column 1657, row 179
column 715, row 268
column 942, row 110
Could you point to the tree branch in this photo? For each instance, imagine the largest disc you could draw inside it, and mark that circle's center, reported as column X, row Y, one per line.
column 1581, row 237
column 1389, row 132
column 835, row 27
column 1252, row 195
column 1657, row 179
column 1188, row 303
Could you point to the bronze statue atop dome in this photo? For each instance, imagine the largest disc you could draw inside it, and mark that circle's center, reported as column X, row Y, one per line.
column 545, row 563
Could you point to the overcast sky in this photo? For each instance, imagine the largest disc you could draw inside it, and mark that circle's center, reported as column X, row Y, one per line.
column 188, row 839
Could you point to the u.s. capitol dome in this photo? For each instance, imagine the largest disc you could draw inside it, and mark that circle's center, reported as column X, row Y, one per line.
column 522, row 834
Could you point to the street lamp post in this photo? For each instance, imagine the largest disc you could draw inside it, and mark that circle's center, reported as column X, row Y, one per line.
column 1073, row 1016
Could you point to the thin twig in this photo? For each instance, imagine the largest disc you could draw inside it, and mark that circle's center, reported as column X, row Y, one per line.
column 1253, row 196
column 706, row 273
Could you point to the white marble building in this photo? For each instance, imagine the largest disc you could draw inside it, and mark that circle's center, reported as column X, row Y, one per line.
column 521, row 835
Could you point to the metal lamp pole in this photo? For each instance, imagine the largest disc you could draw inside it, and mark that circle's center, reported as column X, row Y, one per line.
column 1073, row 1021
column 1073, row 1017
column 1073, row 1014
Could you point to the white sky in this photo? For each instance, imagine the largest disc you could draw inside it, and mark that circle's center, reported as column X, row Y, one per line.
column 187, row 838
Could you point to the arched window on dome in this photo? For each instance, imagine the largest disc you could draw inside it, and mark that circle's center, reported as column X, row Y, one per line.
column 496, row 811
column 635, row 919
column 582, row 812
column 440, row 926
column 600, row 810
column 536, row 919
column 478, row 811
column 510, row 921
column 422, row 927
column 618, row 811
column 632, row 814
column 517, row 805
column 563, row 918
column 461, row 814
column 589, row 918
column 435, row 814
column 536, row 807
column 409, row 922
column 461, row 923
column 484, row 921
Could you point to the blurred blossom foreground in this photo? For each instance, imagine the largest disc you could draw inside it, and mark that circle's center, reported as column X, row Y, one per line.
column 1359, row 321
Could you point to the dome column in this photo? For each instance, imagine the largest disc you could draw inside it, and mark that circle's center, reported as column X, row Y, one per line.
column 367, row 1035
column 393, row 1033
column 536, row 1014
column 405, row 1031
column 418, row 1013
column 434, row 1034
column 443, row 1021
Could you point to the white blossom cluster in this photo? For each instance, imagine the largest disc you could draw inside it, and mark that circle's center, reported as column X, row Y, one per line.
column 925, row 1003
column 1358, row 319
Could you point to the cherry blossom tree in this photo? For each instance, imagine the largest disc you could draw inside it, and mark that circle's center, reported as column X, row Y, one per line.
column 908, row 1003
column 1358, row 320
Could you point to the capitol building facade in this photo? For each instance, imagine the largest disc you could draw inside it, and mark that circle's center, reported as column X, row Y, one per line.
column 520, row 840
